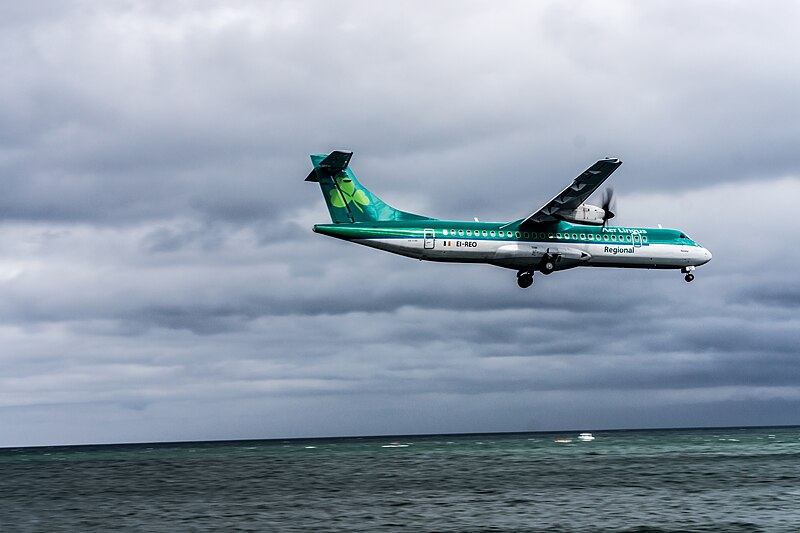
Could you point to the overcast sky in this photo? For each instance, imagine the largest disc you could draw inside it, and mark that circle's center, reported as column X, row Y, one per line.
column 159, row 279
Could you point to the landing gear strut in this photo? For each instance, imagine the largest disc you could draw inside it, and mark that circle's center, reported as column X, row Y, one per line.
column 688, row 271
column 524, row 279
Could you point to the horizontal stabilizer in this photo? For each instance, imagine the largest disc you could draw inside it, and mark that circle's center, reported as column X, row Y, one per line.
column 332, row 164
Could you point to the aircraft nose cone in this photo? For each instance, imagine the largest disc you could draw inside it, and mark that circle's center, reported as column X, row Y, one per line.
column 699, row 256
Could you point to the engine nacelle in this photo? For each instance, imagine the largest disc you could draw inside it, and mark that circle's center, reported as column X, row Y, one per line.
column 586, row 214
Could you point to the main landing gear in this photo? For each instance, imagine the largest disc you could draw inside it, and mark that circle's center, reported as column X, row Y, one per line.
column 688, row 271
column 524, row 279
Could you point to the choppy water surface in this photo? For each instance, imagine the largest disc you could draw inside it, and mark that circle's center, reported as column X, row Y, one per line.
column 732, row 480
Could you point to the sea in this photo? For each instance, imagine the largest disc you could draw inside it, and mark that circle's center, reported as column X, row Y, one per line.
column 682, row 480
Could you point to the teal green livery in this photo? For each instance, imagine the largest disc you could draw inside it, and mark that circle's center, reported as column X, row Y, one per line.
column 565, row 233
column 348, row 201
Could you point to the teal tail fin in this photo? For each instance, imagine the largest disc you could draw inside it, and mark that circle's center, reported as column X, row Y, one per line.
column 349, row 201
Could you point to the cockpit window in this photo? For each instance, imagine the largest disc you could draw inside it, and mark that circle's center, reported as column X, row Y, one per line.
column 684, row 236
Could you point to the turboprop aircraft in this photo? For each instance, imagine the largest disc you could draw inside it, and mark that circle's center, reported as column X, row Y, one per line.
column 564, row 233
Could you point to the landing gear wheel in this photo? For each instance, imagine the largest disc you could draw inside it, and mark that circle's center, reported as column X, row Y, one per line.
column 548, row 266
column 524, row 279
column 688, row 277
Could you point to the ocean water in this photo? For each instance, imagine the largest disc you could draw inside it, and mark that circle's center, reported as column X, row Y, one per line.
column 730, row 480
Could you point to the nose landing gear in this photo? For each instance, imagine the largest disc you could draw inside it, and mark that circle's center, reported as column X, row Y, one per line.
column 524, row 279
column 689, row 277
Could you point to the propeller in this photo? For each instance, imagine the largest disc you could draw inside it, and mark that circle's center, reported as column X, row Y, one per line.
column 609, row 204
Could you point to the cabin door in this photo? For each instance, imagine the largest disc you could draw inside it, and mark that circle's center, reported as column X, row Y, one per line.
column 429, row 238
column 637, row 240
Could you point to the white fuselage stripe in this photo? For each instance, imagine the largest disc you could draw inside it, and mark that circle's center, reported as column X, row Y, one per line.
column 601, row 254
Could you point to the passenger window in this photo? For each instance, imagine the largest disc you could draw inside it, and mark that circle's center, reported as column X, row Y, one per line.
column 491, row 233
column 583, row 236
column 644, row 239
column 574, row 236
column 517, row 234
column 501, row 234
column 469, row 233
column 444, row 232
column 461, row 233
column 613, row 237
column 605, row 237
column 484, row 233
column 453, row 232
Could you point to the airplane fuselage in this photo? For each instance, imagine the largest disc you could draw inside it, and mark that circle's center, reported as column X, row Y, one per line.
column 564, row 233
column 507, row 245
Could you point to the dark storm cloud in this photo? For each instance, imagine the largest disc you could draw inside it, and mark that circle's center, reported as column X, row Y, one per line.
column 155, row 253
column 153, row 124
column 138, row 130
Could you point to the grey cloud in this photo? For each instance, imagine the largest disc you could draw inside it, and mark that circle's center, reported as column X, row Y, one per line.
column 158, row 126
column 156, row 258
column 779, row 293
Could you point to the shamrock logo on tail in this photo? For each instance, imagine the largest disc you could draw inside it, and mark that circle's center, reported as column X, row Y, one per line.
column 347, row 193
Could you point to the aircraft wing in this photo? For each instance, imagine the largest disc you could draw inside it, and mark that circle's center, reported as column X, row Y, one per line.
column 578, row 191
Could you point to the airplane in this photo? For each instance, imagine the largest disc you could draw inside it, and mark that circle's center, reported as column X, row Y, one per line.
column 564, row 233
